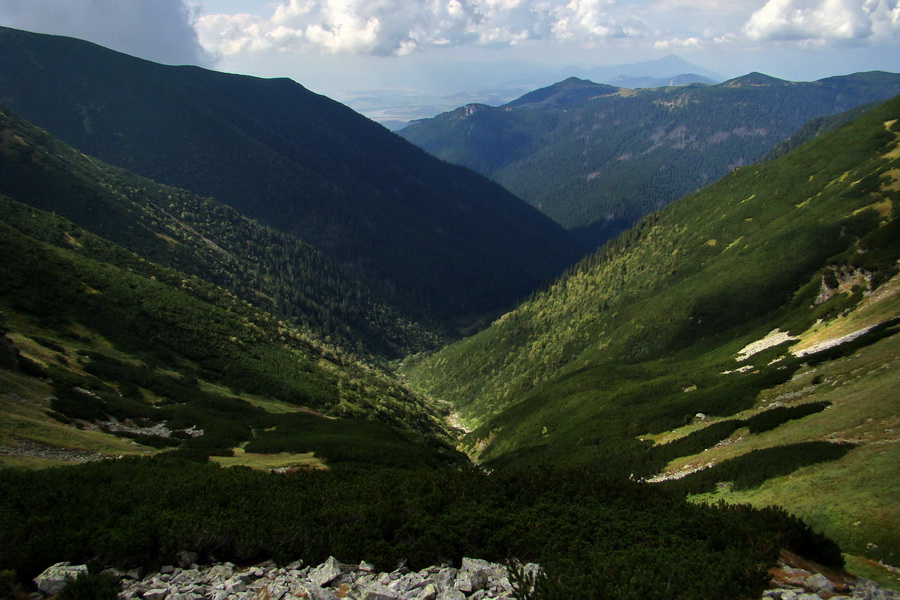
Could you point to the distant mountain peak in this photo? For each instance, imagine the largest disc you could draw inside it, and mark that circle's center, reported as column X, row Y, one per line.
column 569, row 81
column 662, row 68
column 671, row 60
column 569, row 90
column 755, row 78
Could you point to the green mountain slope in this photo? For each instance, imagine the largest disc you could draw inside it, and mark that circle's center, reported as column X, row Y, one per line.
column 433, row 236
column 272, row 270
column 744, row 338
column 595, row 158
column 667, row 305
column 814, row 128
column 93, row 333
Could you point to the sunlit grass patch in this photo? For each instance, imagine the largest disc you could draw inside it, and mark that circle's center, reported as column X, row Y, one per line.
column 865, row 405
column 269, row 462
column 29, row 462
column 23, row 415
column 852, row 500
column 873, row 570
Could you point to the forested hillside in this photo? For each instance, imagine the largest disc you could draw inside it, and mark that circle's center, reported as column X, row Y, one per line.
column 433, row 237
column 718, row 265
column 667, row 305
column 814, row 128
column 272, row 270
column 596, row 158
column 114, row 336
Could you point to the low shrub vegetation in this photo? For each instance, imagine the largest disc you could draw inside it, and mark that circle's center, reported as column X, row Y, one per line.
column 595, row 536
column 91, row 586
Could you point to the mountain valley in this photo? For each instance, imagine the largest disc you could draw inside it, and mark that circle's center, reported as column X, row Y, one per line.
column 679, row 323
column 326, row 343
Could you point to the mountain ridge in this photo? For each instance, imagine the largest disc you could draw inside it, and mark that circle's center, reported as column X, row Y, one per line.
column 296, row 161
column 569, row 90
column 755, row 78
column 596, row 163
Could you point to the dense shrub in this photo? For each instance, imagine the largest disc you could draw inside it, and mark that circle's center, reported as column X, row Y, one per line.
column 595, row 536
column 772, row 418
column 87, row 586
column 709, row 436
column 10, row 589
column 346, row 442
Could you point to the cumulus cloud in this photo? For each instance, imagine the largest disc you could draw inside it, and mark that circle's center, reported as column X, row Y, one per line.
column 677, row 43
column 385, row 27
column 158, row 30
column 590, row 20
column 824, row 20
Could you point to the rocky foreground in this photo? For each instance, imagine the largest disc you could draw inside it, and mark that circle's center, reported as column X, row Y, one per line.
column 475, row 580
column 796, row 579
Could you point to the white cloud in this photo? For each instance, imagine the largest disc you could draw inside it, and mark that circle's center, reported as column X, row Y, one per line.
column 824, row 21
column 384, row 27
column 589, row 20
column 158, row 30
column 677, row 43
column 717, row 6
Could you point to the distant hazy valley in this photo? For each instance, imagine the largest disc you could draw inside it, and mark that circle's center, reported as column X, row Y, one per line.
column 396, row 108
column 239, row 319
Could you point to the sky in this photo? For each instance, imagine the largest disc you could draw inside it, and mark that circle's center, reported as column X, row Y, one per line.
column 397, row 57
